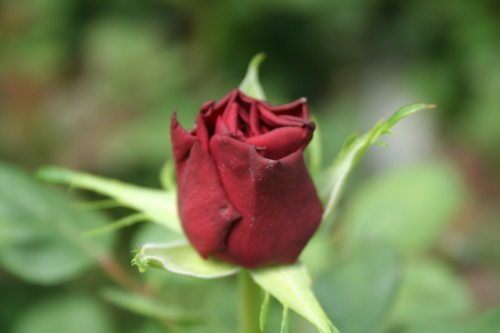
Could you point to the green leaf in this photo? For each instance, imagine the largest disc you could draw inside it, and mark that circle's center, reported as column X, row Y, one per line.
column 157, row 234
column 430, row 291
column 264, row 311
column 151, row 327
column 313, row 151
column 352, row 152
column 488, row 322
column 250, row 84
column 67, row 313
column 319, row 254
column 147, row 306
column 285, row 322
column 40, row 231
column 181, row 258
column 408, row 208
column 111, row 227
column 15, row 297
column 167, row 176
column 98, row 204
column 159, row 206
column 291, row 285
column 359, row 291
column 154, row 233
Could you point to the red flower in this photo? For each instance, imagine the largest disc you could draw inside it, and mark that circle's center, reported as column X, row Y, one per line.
column 244, row 193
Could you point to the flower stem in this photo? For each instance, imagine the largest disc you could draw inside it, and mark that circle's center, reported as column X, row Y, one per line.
column 249, row 296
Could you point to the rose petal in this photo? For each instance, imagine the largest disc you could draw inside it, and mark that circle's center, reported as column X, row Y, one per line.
column 182, row 142
column 274, row 120
column 297, row 108
column 281, row 141
column 202, row 132
column 276, row 198
column 231, row 118
column 206, row 214
column 254, row 120
column 227, row 100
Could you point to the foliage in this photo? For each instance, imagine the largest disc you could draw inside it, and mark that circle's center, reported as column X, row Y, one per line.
column 41, row 239
column 92, row 86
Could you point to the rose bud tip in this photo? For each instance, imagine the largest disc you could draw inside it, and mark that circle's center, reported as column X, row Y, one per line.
column 173, row 120
column 311, row 125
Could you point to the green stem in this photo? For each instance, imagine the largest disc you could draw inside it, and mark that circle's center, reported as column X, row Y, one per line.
column 249, row 295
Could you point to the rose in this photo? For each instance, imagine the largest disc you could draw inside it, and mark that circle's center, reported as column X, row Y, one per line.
column 244, row 193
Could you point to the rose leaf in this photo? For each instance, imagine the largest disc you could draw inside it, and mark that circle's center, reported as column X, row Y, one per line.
column 291, row 285
column 148, row 306
column 352, row 152
column 313, row 152
column 264, row 311
column 250, row 84
column 159, row 206
column 179, row 257
column 285, row 323
column 40, row 231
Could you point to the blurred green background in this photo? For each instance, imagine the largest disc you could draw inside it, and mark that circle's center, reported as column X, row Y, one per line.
column 91, row 85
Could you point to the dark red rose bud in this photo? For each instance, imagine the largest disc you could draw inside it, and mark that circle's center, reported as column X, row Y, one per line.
column 244, row 193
